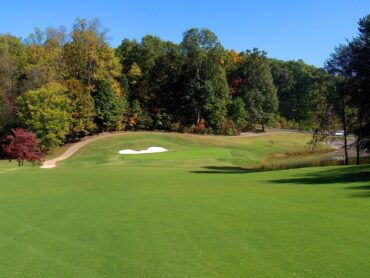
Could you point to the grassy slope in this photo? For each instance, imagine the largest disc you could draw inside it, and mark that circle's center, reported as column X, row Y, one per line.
column 57, row 151
column 186, row 150
column 189, row 212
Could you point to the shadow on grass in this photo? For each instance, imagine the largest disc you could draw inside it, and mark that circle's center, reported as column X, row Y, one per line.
column 340, row 175
column 361, row 191
column 225, row 170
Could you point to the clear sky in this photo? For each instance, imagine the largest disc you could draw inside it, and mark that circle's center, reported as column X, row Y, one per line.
column 286, row 29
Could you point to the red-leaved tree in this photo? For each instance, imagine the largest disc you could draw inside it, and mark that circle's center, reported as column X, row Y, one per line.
column 200, row 127
column 22, row 145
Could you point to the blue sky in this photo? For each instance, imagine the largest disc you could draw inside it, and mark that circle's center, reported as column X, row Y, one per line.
column 286, row 29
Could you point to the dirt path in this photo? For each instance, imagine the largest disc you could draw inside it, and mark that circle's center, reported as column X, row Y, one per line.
column 75, row 147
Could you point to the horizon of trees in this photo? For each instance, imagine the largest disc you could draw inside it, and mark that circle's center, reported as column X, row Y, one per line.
column 65, row 85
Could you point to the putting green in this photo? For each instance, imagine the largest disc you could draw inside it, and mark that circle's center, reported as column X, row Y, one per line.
column 194, row 211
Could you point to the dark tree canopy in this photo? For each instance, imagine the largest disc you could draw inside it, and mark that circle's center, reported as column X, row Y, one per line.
column 64, row 85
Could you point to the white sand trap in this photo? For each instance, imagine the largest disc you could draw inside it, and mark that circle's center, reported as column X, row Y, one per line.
column 47, row 166
column 148, row 150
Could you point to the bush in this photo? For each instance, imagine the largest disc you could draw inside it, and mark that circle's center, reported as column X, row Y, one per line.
column 187, row 129
column 176, row 126
column 200, row 128
column 144, row 121
column 229, row 128
column 162, row 121
column 291, row 124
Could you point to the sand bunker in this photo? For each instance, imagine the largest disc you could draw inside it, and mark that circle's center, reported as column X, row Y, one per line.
column 148, row 150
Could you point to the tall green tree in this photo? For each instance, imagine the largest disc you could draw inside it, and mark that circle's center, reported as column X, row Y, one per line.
column 206, row 91
column 360, row 82
column 83, row 109
column 138, row 62
column 258, row 90
column 89, row 58
column 44, row 58
column 109, row 108
column 297, row 84
column 338, row 65
column 12, row 66
column 47, row 112
column 238, row 113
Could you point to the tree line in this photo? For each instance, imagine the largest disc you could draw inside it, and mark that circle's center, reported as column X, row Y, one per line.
column 62, row 86
column 347, row 93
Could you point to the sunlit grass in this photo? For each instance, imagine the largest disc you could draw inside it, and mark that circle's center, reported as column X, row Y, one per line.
column 195, row 211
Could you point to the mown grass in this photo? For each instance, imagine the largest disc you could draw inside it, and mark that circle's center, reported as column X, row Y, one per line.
column 56, row 152
column 186, row 150
column 195, row 211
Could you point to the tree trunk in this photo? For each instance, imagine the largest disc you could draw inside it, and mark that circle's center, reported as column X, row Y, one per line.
column 358, row 142
column 358, row 150
column 345, row 148
column 344, row 123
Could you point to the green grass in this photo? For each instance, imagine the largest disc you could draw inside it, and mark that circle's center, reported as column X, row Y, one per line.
column 57, row 151
column 194, row 211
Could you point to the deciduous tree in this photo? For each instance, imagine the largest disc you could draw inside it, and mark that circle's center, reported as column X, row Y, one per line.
column 89, row 58
column 22, row 145
column 12, row 64
column 258, row 90
column 82, row 109
column 47, row 112
column 109, row 108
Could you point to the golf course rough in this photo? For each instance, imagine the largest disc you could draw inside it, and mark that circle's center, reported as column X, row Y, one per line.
column 195, row 211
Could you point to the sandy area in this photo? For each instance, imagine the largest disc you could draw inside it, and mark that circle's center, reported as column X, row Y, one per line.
column 148, row 150
column 49, row 164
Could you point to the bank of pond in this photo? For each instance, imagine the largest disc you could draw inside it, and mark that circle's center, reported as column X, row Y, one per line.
column 282, row 161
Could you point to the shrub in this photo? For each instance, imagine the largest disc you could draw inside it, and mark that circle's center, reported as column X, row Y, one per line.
column 200, row 128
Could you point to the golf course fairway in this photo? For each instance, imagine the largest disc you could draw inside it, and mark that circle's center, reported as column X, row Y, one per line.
column 194, row 211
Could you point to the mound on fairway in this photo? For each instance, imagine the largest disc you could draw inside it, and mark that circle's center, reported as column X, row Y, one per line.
column 195, row 211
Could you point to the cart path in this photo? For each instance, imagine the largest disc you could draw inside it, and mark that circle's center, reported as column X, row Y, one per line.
column 76, row 146
column 49, row 164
